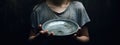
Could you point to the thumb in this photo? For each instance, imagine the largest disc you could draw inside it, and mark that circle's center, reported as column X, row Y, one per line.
column 79, row 28
column 40, row 26
column 75, row 35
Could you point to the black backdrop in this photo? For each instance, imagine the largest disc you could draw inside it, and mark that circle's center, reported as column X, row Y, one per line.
column 15, row 21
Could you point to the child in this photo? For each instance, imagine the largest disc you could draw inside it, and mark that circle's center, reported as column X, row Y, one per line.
column 65, row 9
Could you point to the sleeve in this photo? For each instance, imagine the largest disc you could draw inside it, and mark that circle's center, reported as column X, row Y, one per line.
column 34, row 19
column 83, row 17
column 33, row 22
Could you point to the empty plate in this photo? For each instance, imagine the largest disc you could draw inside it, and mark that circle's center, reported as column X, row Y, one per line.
column 61, row 27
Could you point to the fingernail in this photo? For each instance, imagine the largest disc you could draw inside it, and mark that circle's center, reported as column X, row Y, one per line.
column 40, row 25
column 41, row 31
column 75, row 34
column 79, row 27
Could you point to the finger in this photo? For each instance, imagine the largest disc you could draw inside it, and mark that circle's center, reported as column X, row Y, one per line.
column 32, row 37
column 46, row 31
column 75, row 35
column 79, row 28
column 42, row 32
column 52, row 34
column 40, row 26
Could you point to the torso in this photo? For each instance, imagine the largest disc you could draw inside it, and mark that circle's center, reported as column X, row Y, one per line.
column 47, row 13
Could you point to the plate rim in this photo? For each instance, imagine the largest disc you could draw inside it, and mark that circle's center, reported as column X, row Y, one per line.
column 78, row 27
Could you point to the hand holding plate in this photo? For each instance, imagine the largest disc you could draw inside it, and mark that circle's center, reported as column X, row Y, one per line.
column 45, row 32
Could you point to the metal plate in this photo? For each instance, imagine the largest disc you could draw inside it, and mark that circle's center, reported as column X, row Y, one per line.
column 61, row 27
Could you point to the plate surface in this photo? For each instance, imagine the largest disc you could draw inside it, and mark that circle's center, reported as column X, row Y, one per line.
column 61, row 27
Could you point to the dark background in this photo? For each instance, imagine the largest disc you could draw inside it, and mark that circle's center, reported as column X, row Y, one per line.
column 15, row 21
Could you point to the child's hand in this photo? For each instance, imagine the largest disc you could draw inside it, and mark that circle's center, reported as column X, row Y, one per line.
column 45, row 32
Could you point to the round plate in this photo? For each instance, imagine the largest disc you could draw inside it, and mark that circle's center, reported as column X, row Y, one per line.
column 61, row 27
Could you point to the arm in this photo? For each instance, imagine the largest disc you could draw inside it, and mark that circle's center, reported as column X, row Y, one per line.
column 32, row 35
column 83, row 18
column 83, row 35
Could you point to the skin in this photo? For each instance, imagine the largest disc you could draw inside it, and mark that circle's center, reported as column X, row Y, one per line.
column 82, row 35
